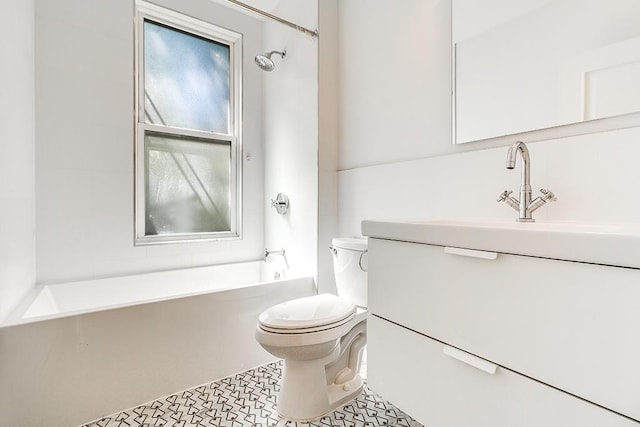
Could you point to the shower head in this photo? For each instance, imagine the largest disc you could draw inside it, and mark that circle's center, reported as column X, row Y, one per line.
column 265, row 62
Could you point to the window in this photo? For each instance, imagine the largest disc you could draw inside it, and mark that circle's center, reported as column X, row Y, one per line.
column 188, row 142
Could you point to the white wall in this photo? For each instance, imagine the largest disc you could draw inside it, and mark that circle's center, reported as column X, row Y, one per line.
column 328, row 90
column 394, row 80
column 17, row 145
column 84, row 164
column 291, row 136
column 396, row 158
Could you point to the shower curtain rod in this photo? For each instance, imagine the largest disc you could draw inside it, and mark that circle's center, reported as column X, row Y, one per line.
column 312, row 33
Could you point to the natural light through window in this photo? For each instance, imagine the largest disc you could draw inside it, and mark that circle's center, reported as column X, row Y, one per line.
column 186, row 80
column 188, row 103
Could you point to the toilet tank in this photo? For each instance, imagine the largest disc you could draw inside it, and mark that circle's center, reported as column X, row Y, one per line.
column 350, row 260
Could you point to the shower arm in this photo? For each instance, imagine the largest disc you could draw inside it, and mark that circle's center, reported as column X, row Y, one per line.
column 282, row 53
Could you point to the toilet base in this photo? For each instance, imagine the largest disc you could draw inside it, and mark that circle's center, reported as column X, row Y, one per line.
column 311, row 389
column 305, row 396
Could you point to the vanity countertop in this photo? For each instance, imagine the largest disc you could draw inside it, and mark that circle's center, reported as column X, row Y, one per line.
column 608, row 244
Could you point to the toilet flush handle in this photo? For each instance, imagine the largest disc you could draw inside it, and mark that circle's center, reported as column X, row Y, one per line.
column 334, row 251
column 362, row 254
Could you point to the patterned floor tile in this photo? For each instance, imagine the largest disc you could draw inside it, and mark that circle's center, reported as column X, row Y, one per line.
column 248, row 399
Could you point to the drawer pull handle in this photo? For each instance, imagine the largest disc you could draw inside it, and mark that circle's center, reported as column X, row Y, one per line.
column 470, row 253
column 470, row 359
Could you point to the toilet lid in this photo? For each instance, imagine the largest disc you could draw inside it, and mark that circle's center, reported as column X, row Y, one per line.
column 308, row 312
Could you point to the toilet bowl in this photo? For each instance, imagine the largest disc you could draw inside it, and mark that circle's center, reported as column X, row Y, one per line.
column 321, row 339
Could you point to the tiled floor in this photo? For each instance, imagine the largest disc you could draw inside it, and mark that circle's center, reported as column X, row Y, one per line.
column 248, row 399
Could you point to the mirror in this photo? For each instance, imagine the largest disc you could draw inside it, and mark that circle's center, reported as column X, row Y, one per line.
column 531, row 65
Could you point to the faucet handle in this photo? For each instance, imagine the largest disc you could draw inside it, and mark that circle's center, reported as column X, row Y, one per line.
column 548, row 195
column 504, row 195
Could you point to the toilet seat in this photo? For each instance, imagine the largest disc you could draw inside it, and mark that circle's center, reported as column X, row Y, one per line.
column 306, row 315
column 309, row 330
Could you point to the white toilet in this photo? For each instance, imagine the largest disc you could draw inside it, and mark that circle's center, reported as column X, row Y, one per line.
column 321, row 338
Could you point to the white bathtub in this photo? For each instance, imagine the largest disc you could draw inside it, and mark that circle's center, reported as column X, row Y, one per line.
column 71, row 298
column 78, row 351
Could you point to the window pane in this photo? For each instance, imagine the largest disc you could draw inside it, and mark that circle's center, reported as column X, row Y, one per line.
column 186, row 80
column 187, row 185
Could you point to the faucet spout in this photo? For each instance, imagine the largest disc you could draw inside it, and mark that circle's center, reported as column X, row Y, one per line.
column 525, row 206
column 281, row 252
column 525, row 181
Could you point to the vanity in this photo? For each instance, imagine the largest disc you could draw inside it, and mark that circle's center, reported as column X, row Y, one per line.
column 503, row 324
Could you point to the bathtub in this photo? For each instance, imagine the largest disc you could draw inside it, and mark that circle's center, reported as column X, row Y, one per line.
column 75, row 352
column 71, row 298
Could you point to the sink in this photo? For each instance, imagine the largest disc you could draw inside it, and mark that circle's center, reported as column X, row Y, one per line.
column 559, row 226
column 610, row 244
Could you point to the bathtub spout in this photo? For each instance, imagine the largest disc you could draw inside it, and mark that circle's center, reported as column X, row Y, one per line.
column 281, row 252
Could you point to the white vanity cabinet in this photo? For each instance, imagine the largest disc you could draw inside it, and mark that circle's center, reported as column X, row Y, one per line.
column 477, row 338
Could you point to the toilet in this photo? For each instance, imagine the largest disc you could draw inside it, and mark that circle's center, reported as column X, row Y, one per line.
column 321, row 338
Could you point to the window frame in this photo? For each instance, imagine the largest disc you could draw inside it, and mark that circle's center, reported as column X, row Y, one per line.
column 209, row 31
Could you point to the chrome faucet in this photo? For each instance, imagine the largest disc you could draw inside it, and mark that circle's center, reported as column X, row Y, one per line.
column 525, row 206
column 281, row 252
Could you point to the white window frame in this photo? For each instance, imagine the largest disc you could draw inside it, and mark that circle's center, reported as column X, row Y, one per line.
column 173, row 19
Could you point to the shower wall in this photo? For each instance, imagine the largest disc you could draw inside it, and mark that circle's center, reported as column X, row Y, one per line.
column 72, row 68
column 17, row 117
column 84, row 151
column 291, row 135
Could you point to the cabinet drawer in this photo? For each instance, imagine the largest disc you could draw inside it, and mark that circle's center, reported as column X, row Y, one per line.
column 575, row 326
column 441, row 391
